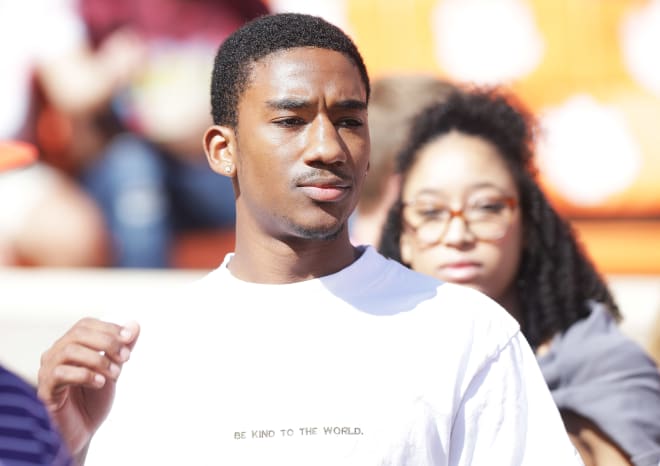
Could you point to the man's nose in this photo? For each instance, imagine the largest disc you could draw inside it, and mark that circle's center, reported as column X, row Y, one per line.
column 325, row 143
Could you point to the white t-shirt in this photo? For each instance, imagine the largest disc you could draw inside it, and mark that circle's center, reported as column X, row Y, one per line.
column 373, row 365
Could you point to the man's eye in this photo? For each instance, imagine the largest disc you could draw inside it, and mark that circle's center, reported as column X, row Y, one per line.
column 290, row 122
column 350, row 123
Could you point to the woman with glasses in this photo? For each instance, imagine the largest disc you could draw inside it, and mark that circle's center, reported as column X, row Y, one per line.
column 471, row 212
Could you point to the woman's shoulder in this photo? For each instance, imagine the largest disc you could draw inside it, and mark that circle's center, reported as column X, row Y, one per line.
column 596, row 371
column 595, row 346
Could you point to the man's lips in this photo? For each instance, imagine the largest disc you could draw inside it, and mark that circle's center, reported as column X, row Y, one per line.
column 325, row 191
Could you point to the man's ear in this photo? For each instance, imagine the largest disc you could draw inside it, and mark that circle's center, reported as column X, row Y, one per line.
column 219, row 146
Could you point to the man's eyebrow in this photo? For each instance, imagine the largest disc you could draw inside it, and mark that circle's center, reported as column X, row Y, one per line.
column 351, row 104
column 288, row 104
column 297, row 104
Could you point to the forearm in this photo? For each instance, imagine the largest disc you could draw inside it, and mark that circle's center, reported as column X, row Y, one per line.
column 79, row 458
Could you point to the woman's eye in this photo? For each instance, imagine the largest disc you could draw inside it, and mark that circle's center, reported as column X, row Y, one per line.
column 489, row 206
column 430, row 213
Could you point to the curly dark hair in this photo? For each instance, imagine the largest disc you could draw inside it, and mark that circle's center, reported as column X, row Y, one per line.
column 556, row 280
column 264, row 36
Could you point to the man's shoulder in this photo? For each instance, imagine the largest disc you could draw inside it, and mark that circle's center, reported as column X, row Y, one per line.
column 402, row 280
column 443, row 301
column 466, row 310
column 445, row 317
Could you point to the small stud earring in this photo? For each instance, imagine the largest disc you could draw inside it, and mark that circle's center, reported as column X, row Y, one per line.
column 227, row 169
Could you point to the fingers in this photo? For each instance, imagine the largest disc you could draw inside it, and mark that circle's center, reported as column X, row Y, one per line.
column 76, row 375
column 113, row 340
column 81, row 360
column 88, row 355
column 130, row 333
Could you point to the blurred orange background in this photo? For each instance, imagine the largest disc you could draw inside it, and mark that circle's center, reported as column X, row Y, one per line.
column 587, row 68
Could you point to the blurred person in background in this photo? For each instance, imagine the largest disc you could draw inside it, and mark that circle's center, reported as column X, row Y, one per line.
column 395, row 99
column 27, row 435
column 46, row 219
column 141, row 158
column 470, row 212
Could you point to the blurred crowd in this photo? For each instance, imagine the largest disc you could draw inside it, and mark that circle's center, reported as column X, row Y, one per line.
column 115, row 97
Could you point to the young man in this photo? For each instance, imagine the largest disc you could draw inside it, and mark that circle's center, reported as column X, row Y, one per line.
column 301, row 348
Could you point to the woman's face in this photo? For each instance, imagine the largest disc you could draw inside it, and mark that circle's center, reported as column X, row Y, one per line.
column 459, row 172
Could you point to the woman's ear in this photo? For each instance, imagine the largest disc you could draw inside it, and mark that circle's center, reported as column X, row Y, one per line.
column 219, row 144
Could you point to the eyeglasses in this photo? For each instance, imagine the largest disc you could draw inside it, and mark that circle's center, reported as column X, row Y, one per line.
column 488, row 218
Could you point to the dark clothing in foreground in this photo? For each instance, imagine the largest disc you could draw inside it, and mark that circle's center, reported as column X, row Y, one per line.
column 27, row 436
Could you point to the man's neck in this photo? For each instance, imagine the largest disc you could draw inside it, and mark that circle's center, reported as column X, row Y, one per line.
column 277, row 262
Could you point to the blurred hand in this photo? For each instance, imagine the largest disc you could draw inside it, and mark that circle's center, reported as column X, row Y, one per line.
column 78, row 374
column 122, row 54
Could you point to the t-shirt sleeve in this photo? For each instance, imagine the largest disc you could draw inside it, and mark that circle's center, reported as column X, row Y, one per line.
column 507, row 415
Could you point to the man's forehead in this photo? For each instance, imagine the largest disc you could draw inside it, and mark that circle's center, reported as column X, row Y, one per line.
column 288, row 68
column 298, row 56
column 291, row 50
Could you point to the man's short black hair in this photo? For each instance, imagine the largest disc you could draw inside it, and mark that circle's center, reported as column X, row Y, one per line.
column 264, row 36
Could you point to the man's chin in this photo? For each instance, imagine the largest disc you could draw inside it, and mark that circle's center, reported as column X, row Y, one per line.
column 319, row 233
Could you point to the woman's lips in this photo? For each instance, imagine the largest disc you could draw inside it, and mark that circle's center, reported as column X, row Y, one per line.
column 460, row 272
column 325, row 193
